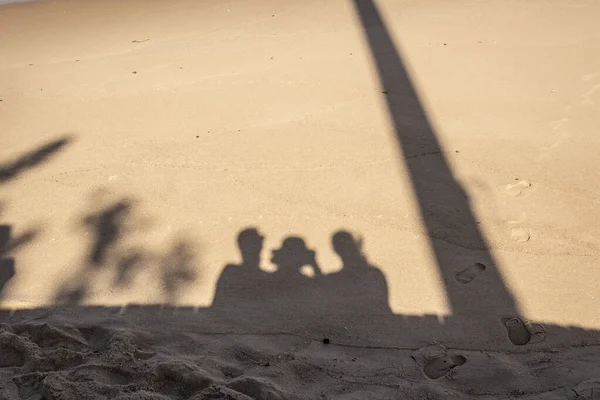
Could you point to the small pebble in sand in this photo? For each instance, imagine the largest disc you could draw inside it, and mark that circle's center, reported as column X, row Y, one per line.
column 197, row 137
column 326, row 341
column 134, row 72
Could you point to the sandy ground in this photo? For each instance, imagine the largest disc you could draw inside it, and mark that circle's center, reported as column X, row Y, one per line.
column 299, row 200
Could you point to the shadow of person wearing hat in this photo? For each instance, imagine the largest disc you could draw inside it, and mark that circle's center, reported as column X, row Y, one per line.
column 244, row 281
column 291, row 259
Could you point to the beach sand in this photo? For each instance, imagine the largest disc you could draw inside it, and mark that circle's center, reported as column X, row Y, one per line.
column 299, row 200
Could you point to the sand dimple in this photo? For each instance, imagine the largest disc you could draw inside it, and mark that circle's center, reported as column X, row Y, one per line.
column 58, row 359
column 256, row 388
column 46, row 335
column 219, row 392
column 106, row 374
column 142, row 395
column 231, row 371
column 468, row 274
column 185, row 376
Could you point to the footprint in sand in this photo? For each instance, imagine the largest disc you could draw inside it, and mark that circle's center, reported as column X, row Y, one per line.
column 520, row 234
column 588, row 98
column 538, row 333
column 439, row 367
column 518, row 334
column 588, row 390
column 468, row 274
column 518, row 188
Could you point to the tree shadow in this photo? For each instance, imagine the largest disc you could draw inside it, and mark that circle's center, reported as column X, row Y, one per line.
column 109, row 224
column 177, row 269
column 12, row 170
column 7, row 265
column 8, row 245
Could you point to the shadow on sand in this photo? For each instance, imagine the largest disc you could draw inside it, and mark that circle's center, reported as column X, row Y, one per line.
column 330, row 326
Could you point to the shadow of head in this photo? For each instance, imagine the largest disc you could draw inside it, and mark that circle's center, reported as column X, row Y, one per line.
column 250, row 243
column 292, row 255
column 348, row 248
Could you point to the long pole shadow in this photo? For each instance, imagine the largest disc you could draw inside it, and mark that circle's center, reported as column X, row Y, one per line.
column 454, row 235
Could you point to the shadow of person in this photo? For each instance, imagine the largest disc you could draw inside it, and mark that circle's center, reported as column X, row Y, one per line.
column 294, row 285
column 359, row 287
column 244, row 281
column 291, row 258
